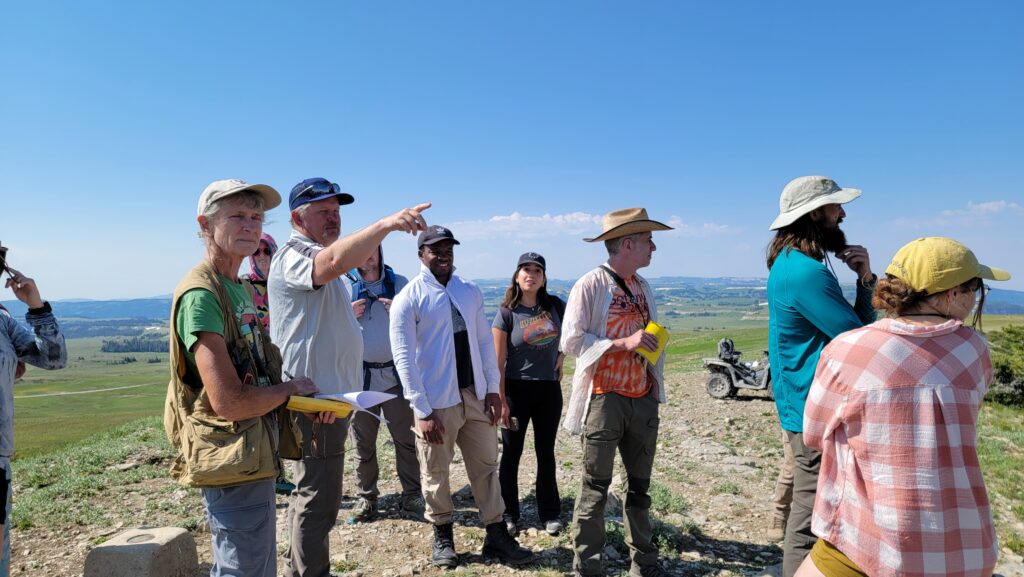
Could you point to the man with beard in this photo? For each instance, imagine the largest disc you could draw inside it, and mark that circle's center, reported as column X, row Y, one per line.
column 313, row 324
column 445, row 358
column 806, row 310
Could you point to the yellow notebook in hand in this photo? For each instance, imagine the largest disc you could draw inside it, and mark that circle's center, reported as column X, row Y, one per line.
column 311, row 405
column 662, row 334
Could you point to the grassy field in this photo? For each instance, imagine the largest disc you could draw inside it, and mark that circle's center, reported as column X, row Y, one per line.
column 53, row 408
column 108, row 394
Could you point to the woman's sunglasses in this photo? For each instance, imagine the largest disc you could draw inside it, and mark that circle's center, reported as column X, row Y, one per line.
column 263, row 250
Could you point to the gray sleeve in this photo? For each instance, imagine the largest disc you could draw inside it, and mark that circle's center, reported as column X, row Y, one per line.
column 44, row 347
column 499, row 322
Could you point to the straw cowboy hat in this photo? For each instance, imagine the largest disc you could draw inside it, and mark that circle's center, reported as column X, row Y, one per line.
column 626, row 222
column 806, row 193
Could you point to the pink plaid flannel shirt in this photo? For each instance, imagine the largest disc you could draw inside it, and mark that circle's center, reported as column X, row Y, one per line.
column 893, row 410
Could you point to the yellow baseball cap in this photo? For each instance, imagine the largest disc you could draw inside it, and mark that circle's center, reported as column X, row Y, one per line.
column 935, row 263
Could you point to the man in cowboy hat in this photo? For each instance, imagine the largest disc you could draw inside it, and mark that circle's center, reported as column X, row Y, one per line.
column 806, row 310
column 615, row 391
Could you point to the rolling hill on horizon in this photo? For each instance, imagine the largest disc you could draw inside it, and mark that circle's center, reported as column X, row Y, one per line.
column 998, row 301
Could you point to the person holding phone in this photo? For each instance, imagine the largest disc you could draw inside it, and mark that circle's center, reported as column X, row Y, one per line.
column 526, row 331
column 806, row 310
column 43, row 347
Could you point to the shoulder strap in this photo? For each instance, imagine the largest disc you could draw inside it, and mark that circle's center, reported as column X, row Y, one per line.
column 618, row 280
column 389, row 283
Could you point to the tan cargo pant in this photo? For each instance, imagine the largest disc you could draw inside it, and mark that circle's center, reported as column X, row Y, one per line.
column 467, row 426
column 783, row 497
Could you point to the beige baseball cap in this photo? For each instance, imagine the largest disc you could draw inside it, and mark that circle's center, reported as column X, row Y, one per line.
column 219, row 189
column 806, row 193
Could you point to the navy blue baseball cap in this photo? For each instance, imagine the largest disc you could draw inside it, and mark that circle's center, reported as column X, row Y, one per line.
column 314, row 189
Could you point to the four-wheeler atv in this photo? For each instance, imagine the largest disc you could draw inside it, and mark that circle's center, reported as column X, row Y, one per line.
column 727, row 373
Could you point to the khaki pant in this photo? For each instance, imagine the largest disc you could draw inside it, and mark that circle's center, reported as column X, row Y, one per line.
column 467, row 426
column 629, row 426
column 799, row 538
column 784, row 484
column 364, row 436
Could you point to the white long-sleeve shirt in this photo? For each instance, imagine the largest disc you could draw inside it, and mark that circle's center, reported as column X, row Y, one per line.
column 584, row 335
column 423, row 342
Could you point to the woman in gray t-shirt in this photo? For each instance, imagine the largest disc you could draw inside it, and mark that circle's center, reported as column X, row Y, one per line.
column 526, row 332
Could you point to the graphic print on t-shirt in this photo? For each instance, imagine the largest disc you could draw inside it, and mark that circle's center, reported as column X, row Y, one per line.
column 539, row 330
column 248, row 318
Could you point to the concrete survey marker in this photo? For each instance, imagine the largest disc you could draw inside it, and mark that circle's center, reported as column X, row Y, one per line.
column 157, row 552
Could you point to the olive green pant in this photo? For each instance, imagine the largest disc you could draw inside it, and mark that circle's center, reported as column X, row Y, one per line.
column 799, row 538
column 629, row 426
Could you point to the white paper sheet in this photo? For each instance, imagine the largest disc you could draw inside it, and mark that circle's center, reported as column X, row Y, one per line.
column 362, row 400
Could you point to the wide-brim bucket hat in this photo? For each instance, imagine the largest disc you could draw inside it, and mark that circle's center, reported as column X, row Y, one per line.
column 806, row 193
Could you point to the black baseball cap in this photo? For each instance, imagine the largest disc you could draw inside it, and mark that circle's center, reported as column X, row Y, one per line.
column 532, row 258
column 435, row 234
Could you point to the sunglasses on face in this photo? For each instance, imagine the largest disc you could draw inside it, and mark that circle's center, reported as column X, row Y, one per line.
column 320, row 188
column 263, row 250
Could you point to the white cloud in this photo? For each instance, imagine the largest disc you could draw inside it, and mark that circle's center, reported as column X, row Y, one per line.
column 522, row 226
column 985, row 208
column 975, row 214
column 519, row 226
column 702, row 230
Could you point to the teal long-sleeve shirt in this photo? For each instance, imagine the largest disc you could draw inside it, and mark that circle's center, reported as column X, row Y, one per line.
column 806, row 310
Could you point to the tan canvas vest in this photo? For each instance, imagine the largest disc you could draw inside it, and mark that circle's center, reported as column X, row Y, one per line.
column 211, row 451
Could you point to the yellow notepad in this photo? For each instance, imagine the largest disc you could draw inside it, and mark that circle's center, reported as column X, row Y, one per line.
column 662, row 334
column 311, row 405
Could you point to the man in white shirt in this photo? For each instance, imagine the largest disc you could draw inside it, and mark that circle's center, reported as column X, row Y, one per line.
column 445, row 357
column 313, row 324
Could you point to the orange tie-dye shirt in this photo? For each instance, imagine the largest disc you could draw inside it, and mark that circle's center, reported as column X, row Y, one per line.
column 624, row 372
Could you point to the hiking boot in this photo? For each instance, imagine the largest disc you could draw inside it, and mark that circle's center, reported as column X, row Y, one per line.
column 777, row 532
column 498, row 543
column 444, row 554
column 654, row 570
column 511, row 525
column 553, row 527
column 412, row 507
column 363, row 510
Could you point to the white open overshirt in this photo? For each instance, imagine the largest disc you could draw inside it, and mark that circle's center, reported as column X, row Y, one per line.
column 424, row 345
column 584, row 331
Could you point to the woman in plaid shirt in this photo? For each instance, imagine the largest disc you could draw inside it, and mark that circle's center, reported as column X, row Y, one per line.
column 893, row 410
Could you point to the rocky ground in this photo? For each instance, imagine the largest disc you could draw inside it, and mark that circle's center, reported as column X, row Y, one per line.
column 714, row 475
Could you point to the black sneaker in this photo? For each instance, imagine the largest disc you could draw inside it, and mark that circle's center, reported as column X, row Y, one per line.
column 503, row 546
column 444, row 554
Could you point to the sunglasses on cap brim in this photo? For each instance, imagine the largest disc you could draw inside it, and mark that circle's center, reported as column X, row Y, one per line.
column 320, row 188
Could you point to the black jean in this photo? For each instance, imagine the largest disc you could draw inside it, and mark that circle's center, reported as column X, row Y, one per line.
column 541, row 402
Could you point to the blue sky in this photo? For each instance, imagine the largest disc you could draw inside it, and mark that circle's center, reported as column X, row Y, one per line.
column 522, row 122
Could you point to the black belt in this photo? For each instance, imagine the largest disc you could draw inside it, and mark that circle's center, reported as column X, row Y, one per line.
column 388, row 364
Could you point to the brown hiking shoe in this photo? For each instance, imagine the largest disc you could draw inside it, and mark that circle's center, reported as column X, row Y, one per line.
column 777, row 531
